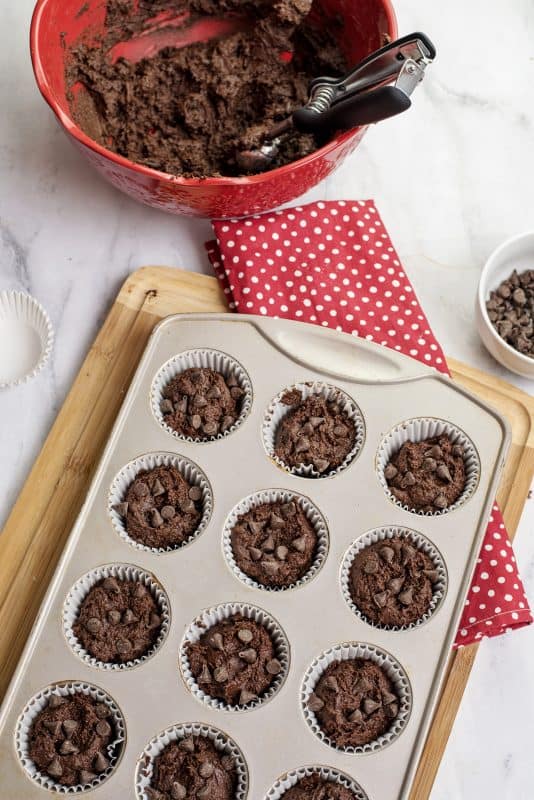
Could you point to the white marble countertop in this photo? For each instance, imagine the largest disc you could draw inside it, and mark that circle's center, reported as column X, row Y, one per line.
column 452, row 179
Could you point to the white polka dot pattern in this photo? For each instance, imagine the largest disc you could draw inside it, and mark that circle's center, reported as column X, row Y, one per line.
column 332, row 263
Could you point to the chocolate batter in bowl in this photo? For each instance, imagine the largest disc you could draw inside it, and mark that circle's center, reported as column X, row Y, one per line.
column 228, row 88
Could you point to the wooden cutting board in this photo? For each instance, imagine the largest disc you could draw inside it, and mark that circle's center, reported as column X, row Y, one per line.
column 47, row 506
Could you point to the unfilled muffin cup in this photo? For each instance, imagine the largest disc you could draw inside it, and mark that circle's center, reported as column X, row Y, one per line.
column 221, row 741
column 200, row 359
column 290, row 779
column 418, row 430
column 82, row 587
column 190, row 471
column 212, row 616
column 26, row 338
column 346, row 652
column 314, row 517
column 277, row 410
column 37, row 703
column 382, row 535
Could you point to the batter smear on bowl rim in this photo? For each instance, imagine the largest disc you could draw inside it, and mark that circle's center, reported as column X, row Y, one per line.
column 187, row 110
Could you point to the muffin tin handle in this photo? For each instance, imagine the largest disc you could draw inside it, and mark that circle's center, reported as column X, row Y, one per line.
column 357, row 360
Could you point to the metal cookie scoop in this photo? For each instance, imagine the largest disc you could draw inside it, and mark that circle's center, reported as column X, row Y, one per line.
column 365, row 95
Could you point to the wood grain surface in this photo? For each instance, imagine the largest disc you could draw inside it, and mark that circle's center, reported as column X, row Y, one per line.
column 48, row 504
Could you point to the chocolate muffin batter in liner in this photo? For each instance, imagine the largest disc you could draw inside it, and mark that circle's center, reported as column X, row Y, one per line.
column 382, row 535
column 37, row 704
column 222, row 742
column 210, row 617
column 290, row 779
column 278, row 410
column 192, row 474
column 227, row 366
column 418, row 430
column 314, row 517
column 349, row 651
column 123, row 572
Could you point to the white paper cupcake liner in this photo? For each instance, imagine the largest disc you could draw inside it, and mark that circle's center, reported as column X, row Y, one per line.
column 419, row 541
column 210, row 617
column 287, row 781
column 345, row 652
column 313, row 515
column 278, row 410
column 37, row 704
column 221, row 740
column 80, row 590
column 26, row 338
column 417, row 430
column 190, row 471
column 211, row 359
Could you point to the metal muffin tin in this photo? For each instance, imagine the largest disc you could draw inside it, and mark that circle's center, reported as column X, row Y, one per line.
column 274, row 737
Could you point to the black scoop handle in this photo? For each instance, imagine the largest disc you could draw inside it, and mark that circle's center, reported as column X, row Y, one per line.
column 354, row 111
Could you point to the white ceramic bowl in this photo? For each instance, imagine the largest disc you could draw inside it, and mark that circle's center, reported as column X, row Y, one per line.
column 516, row 253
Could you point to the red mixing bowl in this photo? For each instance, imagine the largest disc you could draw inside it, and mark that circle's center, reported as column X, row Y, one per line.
column 57, row 24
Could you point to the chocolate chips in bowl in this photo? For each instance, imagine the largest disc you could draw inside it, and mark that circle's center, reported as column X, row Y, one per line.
column 510, row 310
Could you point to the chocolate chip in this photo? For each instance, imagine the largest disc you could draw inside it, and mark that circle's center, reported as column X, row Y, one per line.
column 227, row 423
column 457, row 450
column 315, row 703
column 53, row 725
column 273, row 667
column 93, row 625
column 519, row 297
column 504, row 291
column 54, row 769
column 408, row 479
column 205, row 675
column 390, row 472
column 167, row 512
column 271, row 567
column 110, row 585
column 187, row 744
column 211, row 429
column 200, row 401
column 288, row 510
column 188, row 507
column 302, row 444
column 196, row 422
column 204, row 793
column 406, row 598
column 387, row 553
column 332, row 683
column 275, row 521
column 268, row 544
column 255, row 554
column 139, row 590
column 316, row 421
column 281, row 552
column 216, row 641
column 246, row 697
column 157, row 488
column 121, row 509
column 356, row 717
column 156, row 520
column 370, row 566
column 86, row 776
column 435, row 451
column 206, row 769
column 236, row 392
column 443, row 473
column 430, row 464
column 103, row 728
column 141, row 489
column 299, row 544
column 214, row 393
column 392, row 710
column 123, row 646
column 408, row 552
column 432, row 575
column 370, row 705
column 249, row 655
column 155, row 620
column 100, row 763
column 321, row 464
column 341, row 431
column 381, row 599
column 102, row 711
column 178, row 791
column 166, row 407
column 181, row 406
column 67, row 748
column 69, row 726
column 441, row 501
column 195, row 375
column 195, row 493
column 256, row 526
column 220, row 674
column 388, row 697
column 245, row 635
column 228, row 763
column 128, row 617
column 307, row 428
column 395, row 584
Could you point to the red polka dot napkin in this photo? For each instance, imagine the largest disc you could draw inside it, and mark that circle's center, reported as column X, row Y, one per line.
column 332, row 263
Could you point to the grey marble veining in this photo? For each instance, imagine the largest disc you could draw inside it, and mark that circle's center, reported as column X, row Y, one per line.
column 452, row 179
